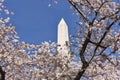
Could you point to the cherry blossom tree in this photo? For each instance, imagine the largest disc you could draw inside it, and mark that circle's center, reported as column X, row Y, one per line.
column 23, row 61
column 98, row 39
column 95, row 45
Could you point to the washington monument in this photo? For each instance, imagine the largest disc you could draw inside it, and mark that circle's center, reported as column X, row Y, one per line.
column 63, row 38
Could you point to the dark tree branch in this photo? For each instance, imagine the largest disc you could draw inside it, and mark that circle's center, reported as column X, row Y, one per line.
column 103, row 50
column 107, row 29
column 112, row 62
column 84, row 47
column 90, row 4
column 79, row 11
column 96, row 13
column 81, row 54
column 80, row 74
column 114, row 14
column 97, row 44
column 2, row 73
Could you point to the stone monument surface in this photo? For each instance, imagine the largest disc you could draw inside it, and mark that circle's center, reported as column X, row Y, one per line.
column 63, row 38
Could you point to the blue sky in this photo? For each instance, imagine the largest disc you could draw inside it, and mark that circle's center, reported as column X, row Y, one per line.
column 35, row 22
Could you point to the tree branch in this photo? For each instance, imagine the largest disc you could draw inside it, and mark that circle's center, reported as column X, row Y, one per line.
column 107, row 29
column 103, row 50
column 2, row 73
column 81, row 54
column 97, row 44
column 96, row 13
column 114, row 14
column 79, row 11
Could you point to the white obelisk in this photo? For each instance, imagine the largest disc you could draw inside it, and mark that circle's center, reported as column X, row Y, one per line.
column 63, row 45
